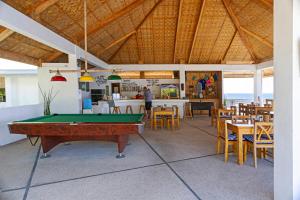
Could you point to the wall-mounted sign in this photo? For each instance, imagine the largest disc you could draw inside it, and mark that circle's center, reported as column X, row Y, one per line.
column 100, row 80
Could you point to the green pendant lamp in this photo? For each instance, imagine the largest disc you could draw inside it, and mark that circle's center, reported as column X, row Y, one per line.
column 114, row 77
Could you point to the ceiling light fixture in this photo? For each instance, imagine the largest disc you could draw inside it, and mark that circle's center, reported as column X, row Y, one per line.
column 58, row 77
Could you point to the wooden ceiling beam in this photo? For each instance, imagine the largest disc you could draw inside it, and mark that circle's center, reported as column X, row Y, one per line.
column 137, row 28
column 5, row 34
column 225, row 54
column 237, row 24
column 117, row 41
column 196, row 30
column 177, row 25
column 114, row 17
column 19, row 57
column 54, row 56
column 258, row 37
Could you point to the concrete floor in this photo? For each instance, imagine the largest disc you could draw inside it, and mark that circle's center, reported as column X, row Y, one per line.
column 161, row 164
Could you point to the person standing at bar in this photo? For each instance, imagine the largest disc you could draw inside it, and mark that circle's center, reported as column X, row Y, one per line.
column 148, row 101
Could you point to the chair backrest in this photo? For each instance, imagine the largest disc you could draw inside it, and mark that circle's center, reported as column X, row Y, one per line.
column 250, row 110
column 244, row 119
column 234, row 108
column 270, row 102
column 87, row 103
column 225, row 112
column 263, row 133
column 242, row 109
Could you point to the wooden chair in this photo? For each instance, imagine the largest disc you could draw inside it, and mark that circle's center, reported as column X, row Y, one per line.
column 242, row 109
column 159, row 120
column 176, row 118
column 214, row 115
column 129, row 108
column 234, row 108
column 229, row 139
column 270, row 102
column 244, row 119
column 222, row 135
column 262, row 138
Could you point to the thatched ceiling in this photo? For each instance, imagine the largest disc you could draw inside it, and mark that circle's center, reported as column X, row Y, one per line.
column 158, row 31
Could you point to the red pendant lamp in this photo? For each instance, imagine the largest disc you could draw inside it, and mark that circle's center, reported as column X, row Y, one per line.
column 58, row 77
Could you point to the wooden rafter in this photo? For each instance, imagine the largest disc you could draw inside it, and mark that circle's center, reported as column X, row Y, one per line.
column 5, row 34
column 138, row 47
column 137, row 28
column 258, row 37
column 117, row 41
column 237, row 24
column 54, row 56
column 177, row 25
column 225, row 54
column 196, row 30
column 114, row 17
column 18, row 57
column 117, row 51
column 267, row 3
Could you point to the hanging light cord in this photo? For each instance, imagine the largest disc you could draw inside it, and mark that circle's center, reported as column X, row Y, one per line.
column 85, row 37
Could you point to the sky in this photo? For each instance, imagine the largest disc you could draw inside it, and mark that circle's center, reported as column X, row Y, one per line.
column 12, row 65
column 246, row 85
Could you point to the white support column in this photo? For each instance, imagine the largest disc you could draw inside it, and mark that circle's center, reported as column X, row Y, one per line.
column 258, row 86
column 287, row 98
column 182, row 81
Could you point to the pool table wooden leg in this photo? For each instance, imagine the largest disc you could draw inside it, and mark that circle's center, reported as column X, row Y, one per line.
column 47, row 144
column 122, row 142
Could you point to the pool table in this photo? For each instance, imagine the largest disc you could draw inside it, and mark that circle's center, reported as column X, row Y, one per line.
column 59, row 128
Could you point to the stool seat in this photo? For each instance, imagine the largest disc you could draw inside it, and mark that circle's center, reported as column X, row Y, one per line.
column 116, row 110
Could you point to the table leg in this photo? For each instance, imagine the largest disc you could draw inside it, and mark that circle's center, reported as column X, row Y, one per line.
column 122, row 142
column 240, row 148
column 154, row 118
column 173, row 123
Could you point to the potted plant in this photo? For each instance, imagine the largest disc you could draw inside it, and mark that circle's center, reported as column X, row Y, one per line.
column 47, row 98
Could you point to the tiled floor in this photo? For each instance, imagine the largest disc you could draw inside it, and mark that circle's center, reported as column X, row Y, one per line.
column 162, row 165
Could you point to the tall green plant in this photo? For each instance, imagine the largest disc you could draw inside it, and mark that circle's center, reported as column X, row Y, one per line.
column 47, row 98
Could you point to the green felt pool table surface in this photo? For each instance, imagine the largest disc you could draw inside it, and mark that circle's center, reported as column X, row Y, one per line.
column 87, row 118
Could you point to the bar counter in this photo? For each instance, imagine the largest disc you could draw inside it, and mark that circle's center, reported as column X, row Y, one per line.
column 103, row 107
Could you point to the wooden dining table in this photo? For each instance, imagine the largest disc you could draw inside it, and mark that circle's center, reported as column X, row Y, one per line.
column 240, row 130
column 165, row 112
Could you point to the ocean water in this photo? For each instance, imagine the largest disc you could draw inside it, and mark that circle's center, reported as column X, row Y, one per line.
column 246, row 96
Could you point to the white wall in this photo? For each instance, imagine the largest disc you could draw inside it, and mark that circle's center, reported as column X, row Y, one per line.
column 10, row 114
column 68, row 99
column 21, row 90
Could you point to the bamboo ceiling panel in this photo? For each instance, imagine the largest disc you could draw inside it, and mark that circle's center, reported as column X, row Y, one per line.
column 152, row 31
column 212, row 22
column 20, row 48
column 256, row 18
column 237, row 51
column 186, row 27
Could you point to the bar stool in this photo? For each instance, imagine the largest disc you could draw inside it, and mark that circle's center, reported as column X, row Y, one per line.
column 129, row 108
column 142, row 108
column 187, row 111
column 116, row 110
